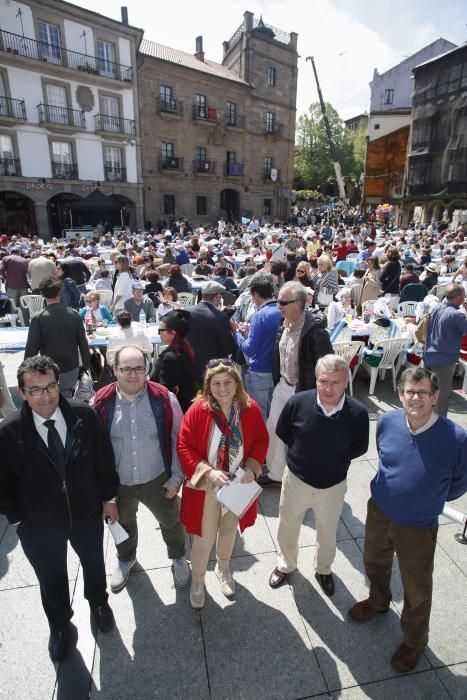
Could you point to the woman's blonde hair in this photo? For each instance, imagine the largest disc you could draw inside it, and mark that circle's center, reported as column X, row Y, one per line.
column 326, row 260
column 93, row 296
column 124, row 262
column 241, row 397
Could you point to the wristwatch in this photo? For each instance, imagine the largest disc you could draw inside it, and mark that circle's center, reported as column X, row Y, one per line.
column 112, row 500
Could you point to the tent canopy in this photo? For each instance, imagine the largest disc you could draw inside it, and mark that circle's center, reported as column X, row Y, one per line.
column 96, row 201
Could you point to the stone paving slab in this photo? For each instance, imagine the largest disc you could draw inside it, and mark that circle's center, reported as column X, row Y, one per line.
column 256, row 646
column 418, row 686
column 454, row 679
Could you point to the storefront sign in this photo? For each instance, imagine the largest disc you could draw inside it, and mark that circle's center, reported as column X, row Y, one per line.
column 38, row 186
column 89, row 188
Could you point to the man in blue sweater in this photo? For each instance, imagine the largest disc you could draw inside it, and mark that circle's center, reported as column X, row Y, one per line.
column 323, row 430
column 422, row 464
column 446, row 326
column 259, row 345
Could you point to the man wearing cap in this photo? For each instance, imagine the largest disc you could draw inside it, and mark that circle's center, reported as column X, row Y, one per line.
column 138, row 303
column 210, row 335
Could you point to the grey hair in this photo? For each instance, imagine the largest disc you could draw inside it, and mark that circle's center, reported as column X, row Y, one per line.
column 331, row 363
column 297, row 291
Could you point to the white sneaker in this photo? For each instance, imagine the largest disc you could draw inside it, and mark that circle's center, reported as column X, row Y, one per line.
column 197, row 595
column 226, row 580
column 181, row 571
column 120, row 575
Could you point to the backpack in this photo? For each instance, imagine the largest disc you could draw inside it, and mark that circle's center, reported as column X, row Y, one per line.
column 422, row 329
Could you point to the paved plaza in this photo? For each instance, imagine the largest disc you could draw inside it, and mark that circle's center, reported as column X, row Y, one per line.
column 288, row 643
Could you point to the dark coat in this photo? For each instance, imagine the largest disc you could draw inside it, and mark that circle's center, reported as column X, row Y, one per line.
column 176, row 373
column 33, row 490
column 314, row 343
column 210, row 336
column 390, row 275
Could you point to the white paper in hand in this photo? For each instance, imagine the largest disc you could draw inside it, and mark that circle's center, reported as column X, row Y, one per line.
column 238, row 497
column 118, row 532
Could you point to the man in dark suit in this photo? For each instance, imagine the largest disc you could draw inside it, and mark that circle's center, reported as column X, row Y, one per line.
column 210, row 334
column 58, row 332
column 58, row 481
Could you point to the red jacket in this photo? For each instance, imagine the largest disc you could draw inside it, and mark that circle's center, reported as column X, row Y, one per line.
column 193, row 446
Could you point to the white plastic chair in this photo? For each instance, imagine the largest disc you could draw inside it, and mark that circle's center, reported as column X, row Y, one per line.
column 33, row 303
column 391, row 358
column 348, row 351
column 407, row 308
column 106, row 296
column 185, row 298
column 187, row 269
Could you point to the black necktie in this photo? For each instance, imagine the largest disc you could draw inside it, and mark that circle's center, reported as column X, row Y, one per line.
column 55, row 444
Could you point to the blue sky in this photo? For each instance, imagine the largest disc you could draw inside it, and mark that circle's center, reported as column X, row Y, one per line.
column 371, row 33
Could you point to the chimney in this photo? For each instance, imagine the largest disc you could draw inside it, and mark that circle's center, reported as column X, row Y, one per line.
column 199, row 49
column 125, row 15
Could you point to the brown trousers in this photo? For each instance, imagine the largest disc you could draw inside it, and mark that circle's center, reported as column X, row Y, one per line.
column 415, row 549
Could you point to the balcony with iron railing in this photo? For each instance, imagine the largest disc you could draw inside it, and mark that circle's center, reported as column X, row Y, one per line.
column 273, row 129
column 235, row 121
column 61, row 116
column 106, row 123
column 204, row 166
column 55, row 54
column 114, row 173
column 269, row 172
column 169, row 106
column 233, row 169
column 12, row 109
column 64, row 171
column 204, row 114
column 10, row 166
column 171, row 164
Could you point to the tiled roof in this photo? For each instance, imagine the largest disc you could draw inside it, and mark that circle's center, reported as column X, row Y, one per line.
column 187, row 60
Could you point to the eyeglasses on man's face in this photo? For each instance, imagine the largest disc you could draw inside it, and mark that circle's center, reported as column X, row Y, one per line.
column 421, row 393
column 286, row 303
column 39, row 390
column 127, row 371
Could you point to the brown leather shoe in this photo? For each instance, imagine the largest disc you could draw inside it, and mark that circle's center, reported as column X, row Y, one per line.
column 277, row 578
column 405, row 658
column 364, row 611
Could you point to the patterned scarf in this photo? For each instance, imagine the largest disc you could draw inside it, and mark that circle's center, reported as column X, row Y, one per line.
column 231, row 439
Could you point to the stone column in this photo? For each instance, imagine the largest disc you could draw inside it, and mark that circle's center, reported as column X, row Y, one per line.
column 42, row 220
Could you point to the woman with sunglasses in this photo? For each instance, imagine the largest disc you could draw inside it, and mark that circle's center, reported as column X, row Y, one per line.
column 303, row 274
column 174, row 368
column 223, row 429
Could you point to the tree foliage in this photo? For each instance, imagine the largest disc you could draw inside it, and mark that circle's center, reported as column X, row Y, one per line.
column 313, row 164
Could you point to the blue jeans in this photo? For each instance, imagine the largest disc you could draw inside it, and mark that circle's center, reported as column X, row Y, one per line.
column 260, row 386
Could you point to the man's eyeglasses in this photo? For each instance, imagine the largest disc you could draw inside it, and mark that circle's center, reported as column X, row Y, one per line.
column 39, row 390
column 421, row 393
column 286, row 303
column 215, row 363
column 127, row 371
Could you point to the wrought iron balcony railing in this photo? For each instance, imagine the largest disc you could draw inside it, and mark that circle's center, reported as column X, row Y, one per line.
column 64, row 171
column 115, row 125
column 170, row 106
column 10, row 166
column 15, row 109
column 114, row 173
column 204, row 166
column 51, row 114
column 233, row 169
column 56, row 54
column 171, row 163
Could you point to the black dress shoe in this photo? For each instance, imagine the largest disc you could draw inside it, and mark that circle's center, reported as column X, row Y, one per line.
column 277, row 578
column 266, row 483
column 58, row 642
column 326, row 582
column 103, row 617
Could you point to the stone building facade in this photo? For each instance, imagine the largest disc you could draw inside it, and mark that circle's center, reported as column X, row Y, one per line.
column 68, row 115
column 437, row 163
column 218, row 139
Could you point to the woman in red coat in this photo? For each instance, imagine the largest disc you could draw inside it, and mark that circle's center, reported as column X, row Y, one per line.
column 223, row 429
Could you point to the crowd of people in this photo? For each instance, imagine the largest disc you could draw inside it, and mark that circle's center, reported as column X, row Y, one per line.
column 246, row 384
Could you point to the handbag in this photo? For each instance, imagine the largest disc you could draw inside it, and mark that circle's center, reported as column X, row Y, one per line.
column 84, row 388
column 324, row 298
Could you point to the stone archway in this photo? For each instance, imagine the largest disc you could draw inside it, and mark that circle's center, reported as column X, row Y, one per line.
column 59, row 212
column 230, row 203
column 17, row 214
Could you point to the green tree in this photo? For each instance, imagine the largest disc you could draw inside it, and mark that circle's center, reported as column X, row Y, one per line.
column 313, row 164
